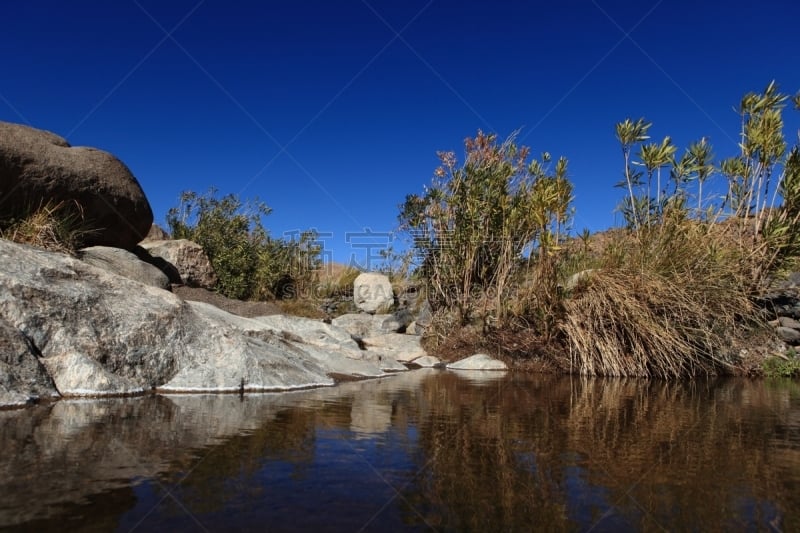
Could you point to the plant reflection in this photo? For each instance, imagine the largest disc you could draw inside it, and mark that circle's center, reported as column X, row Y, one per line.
column 422, row 449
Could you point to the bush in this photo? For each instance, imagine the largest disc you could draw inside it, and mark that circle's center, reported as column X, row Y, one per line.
column 472, row 228
column 248, row 262
column 782, row 367
column 666, row 296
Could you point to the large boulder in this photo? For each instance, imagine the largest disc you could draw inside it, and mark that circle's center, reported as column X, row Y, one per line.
column 98, row 333
column 372, row 292
column 37, row 167
column 124, row 263
column 188, row 258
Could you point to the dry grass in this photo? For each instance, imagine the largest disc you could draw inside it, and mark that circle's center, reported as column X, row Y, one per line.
column 57, row 227
column 336, row 279
column 666, row 304
column 301, row 307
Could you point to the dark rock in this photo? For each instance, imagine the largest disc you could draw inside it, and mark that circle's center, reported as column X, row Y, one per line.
column 37, row 167
column 23, row 379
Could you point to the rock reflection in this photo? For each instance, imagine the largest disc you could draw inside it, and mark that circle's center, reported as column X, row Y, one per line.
column 500, row 452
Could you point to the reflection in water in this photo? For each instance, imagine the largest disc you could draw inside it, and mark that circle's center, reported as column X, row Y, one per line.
column 419, row 450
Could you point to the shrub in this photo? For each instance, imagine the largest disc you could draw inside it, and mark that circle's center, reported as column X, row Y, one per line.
column 248, row 262
column 474, row 225
column 782, row 367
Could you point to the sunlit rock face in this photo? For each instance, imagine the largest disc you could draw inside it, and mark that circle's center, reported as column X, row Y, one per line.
column 88, row 331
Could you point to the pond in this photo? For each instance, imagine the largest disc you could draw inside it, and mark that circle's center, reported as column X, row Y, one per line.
column 426, row 450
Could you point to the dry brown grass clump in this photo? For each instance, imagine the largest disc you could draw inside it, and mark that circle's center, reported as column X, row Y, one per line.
column 668, row 304
column 53, row 226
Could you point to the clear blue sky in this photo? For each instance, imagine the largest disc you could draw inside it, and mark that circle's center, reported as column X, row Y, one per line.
column 332, row 111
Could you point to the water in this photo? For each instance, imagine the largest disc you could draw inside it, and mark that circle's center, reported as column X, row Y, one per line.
column 420, row 451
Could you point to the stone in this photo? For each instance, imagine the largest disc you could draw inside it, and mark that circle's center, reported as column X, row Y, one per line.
column 361, row 325
column 788, row 322
column 372, row 292
column 37, row 167
column 423, row 319
column 23, row 379
column 124, row 263
column 788, row 335
column 309, row 331
column 188, row 258
column 427, row 361
column 76, row 374
column 358, row 325
column 97, row 333
column 397, row 322
column 156, row 233
column 478, row 361
column 402, row 348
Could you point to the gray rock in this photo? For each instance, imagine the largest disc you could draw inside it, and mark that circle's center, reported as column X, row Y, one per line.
column 788, row 335
column 403, row 348
column 37, row 167
column 309, row 331
column 397, row 322
column 23, row 379
column 788, row 322
column 423, row 319
column 156, row 233
column 372, row 292
column 427, row 361
column 188, row 258
column 358, row 325
column 478, row 361
column 363, row 325
column 124, row 263
column 309, row 339
column 75, row 374
column 99, row 333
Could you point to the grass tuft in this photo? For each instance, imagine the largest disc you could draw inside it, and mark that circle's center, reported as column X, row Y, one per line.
column 53, row 226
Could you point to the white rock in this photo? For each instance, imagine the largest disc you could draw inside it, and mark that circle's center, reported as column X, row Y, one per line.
column 100, row 333
column 372, row 291
column 427, row 361
column 75, row 374
column 478, row 361
column 403, row 348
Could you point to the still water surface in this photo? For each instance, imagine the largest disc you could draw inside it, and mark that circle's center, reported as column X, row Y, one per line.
column 420, row 451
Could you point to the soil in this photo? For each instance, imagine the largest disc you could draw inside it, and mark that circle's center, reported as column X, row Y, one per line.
column 237, row 307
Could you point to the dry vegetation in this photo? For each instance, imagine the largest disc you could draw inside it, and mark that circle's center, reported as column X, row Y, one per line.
column 669, row 295
column 57, row 227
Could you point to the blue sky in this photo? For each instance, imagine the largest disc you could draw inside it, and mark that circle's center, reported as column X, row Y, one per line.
column 332, row 111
